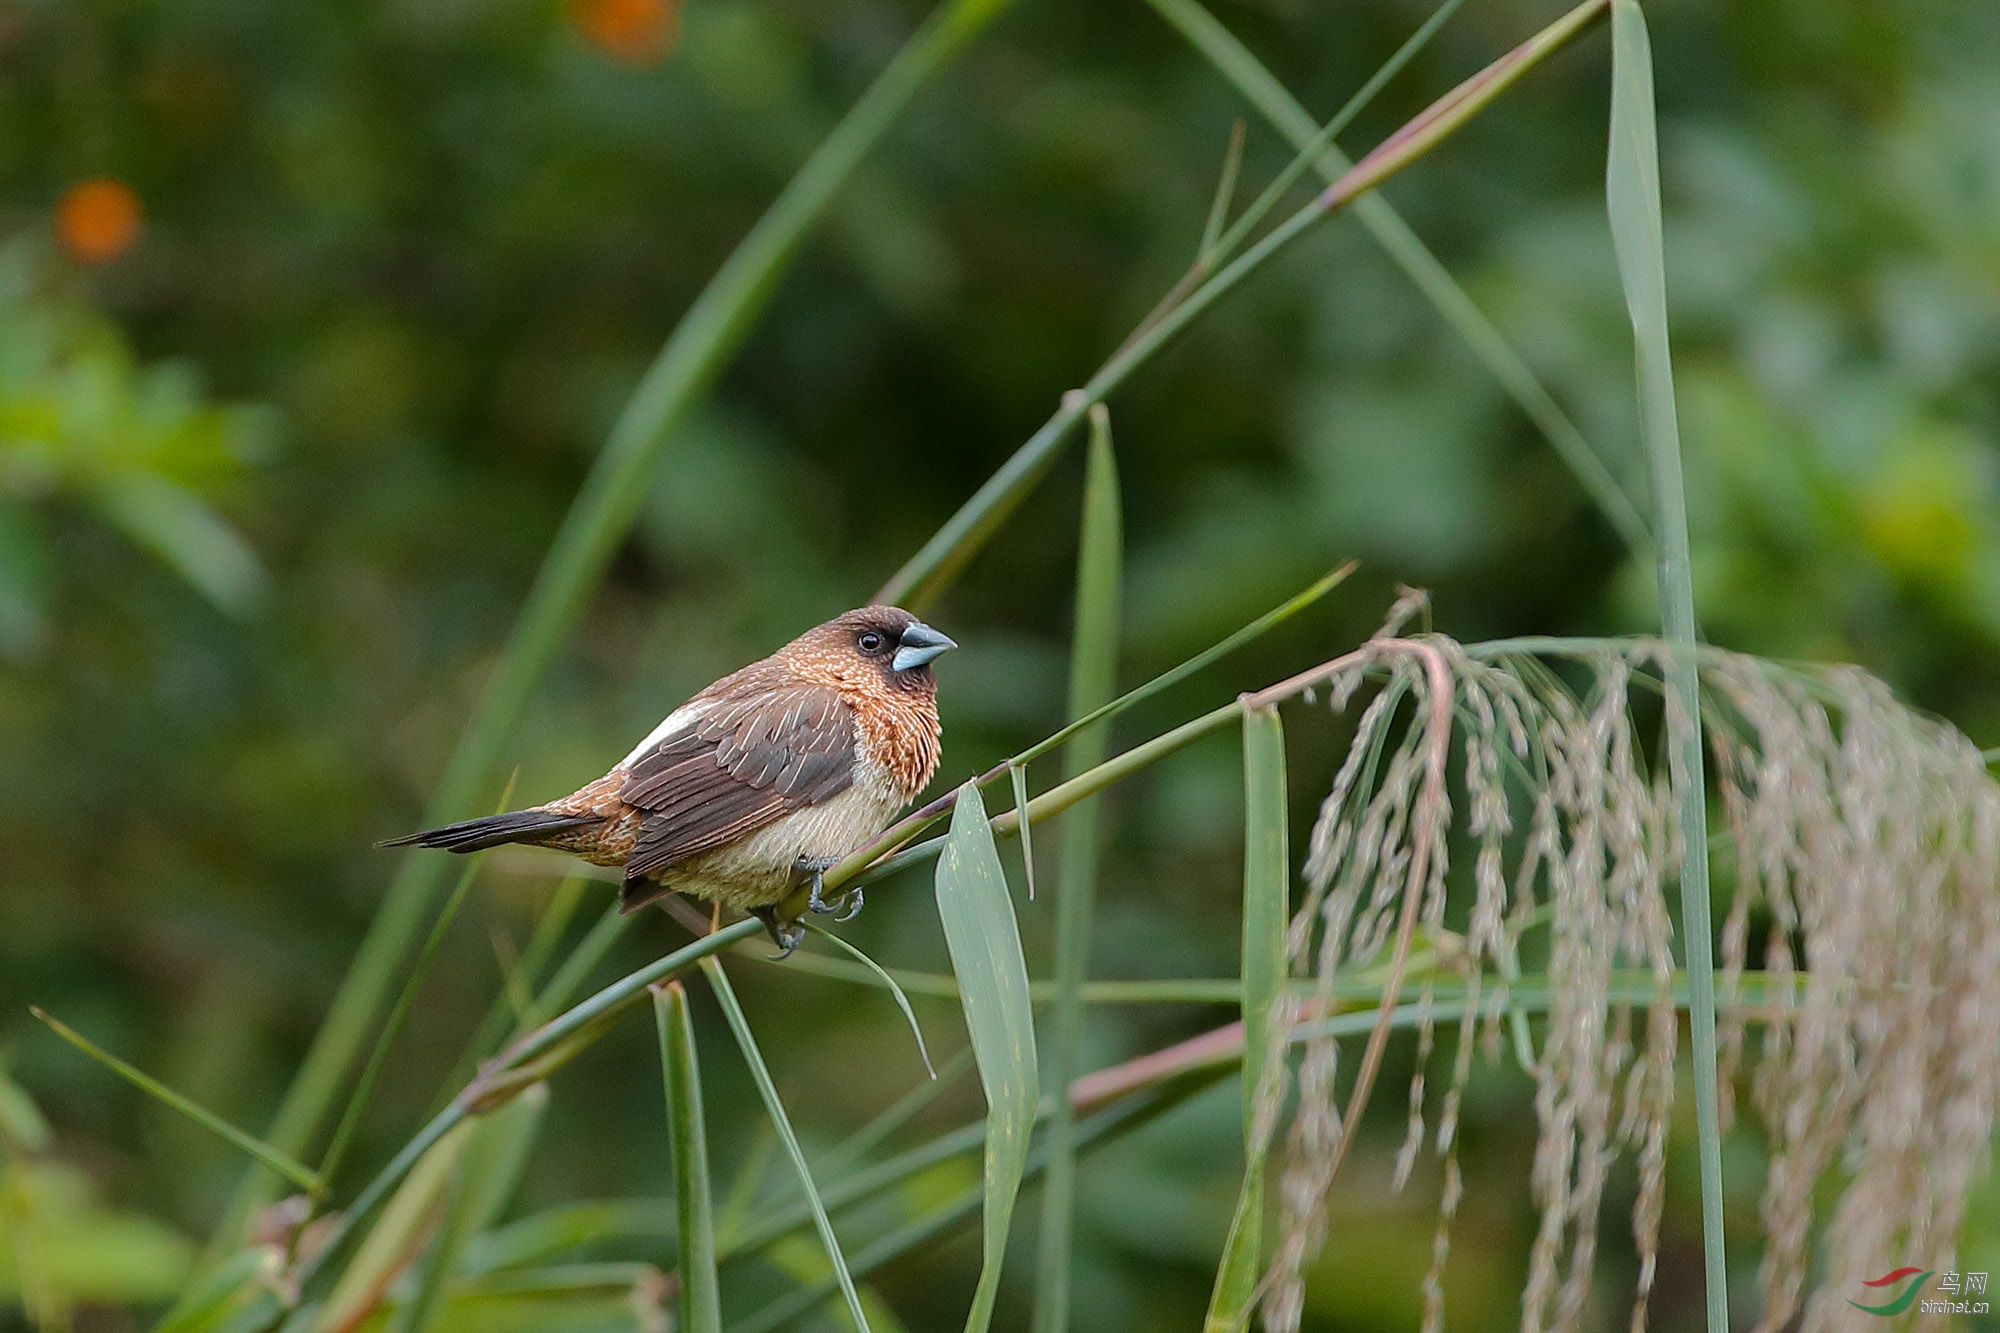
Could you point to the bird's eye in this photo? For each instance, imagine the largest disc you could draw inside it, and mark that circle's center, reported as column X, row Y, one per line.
column 870, row 642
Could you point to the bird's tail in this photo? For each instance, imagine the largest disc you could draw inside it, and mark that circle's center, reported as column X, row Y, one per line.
column 476, row 835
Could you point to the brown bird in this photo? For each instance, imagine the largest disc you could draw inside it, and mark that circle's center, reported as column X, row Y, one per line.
column 760, row 783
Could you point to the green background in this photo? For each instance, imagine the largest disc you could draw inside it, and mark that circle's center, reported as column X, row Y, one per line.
column 273, row 485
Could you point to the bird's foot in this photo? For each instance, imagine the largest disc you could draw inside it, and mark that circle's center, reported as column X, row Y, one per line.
column 785, row 934
column 852, row 899
column 815, row 869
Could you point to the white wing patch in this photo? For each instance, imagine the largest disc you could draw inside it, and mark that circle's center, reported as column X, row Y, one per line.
column 679, row 720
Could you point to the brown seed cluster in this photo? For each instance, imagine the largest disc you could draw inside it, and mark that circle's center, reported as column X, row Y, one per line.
column 1862, row 858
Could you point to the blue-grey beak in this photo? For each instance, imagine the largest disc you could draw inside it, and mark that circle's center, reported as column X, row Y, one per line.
column 920, row 644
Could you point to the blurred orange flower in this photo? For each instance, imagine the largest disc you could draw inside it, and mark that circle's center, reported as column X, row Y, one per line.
column 97, row 220
column 632, row 32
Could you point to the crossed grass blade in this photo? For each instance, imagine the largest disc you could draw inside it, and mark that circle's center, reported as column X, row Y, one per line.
column 482, row 1179
column 1234, row 62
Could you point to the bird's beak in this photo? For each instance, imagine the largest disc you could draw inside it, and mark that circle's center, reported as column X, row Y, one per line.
column 920, row 644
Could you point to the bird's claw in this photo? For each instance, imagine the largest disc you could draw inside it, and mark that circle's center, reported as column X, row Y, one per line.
column 852, row 899
column 816, row 899
column 786, row 935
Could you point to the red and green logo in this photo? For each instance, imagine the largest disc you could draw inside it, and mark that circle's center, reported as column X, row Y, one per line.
column 1900, row 1303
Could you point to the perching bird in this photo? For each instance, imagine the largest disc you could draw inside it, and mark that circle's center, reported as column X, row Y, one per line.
column 760, row 783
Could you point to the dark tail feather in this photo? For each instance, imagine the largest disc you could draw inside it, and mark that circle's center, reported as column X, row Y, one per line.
column 476, row 835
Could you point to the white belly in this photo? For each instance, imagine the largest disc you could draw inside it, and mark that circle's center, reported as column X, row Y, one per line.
column 762, row 868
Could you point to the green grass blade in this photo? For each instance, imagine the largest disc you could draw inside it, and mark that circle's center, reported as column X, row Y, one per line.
column 283, row 1163
column 1266, row 910
column 1225, row 191
column 760, row 1073
column 703, row 342
column 985, row 945
column 694, row 1203
column 1019, row 775
column 1093, row 676
column 1379, row 217
column 902, row 1000
column 577, row 967
column 912, row 824
column 1314, row 149
column 1632, row 196
column 538, row 1238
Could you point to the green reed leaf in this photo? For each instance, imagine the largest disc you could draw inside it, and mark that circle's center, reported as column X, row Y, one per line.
column 985, row 945
column 1093, row 676
column 1632, row 197
column 694, row 1204
column 760, row 1073
column 1266, row 910
column 283, row 1163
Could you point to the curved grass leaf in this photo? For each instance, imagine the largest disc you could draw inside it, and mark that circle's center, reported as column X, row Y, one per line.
column 902, row 1000
column 1093, row 676
column 1632, row 197
column 985, row 945
column 283, row 1163
column 760, row 1073
column 694, row 1204
column 1266, row 909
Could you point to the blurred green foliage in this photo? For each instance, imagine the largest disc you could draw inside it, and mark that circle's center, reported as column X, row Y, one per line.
column 438, row 242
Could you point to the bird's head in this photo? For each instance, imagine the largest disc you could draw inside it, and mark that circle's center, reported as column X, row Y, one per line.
column 885, row 643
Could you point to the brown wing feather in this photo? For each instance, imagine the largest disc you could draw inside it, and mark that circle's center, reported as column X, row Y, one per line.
column 739, row 768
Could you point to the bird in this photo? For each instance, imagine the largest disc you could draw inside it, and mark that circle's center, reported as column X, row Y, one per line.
column 759, row 784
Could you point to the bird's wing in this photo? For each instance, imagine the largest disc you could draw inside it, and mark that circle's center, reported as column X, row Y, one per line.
column 742, row 764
